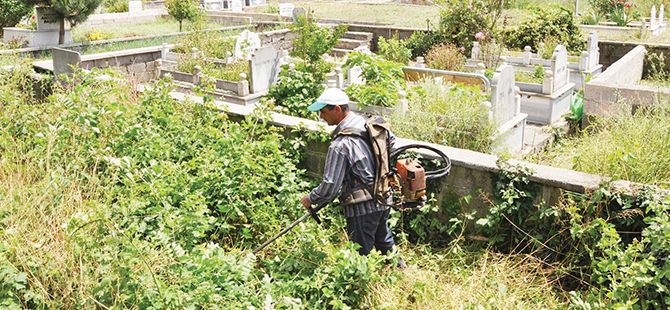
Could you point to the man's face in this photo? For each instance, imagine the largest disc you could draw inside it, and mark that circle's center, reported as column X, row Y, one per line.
column 332, row 117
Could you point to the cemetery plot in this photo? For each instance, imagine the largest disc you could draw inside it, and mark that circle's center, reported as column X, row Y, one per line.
column 586, row 67
column 655, row 26
column 48, row 27
column 238, row 80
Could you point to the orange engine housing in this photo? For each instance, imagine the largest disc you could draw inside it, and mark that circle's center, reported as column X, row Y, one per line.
column 412, row 178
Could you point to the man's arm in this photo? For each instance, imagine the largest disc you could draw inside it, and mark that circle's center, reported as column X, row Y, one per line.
column 333, row 175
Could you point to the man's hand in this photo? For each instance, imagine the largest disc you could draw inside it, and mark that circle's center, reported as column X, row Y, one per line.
column 305, row 202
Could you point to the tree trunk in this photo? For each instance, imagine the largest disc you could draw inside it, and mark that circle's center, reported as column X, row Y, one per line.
column 61, row 32
column 180, row 26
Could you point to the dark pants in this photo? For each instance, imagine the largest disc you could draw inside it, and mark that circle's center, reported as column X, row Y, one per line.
column 371, row 230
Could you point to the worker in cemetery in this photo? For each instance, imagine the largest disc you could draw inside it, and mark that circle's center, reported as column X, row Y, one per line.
column 350, row 173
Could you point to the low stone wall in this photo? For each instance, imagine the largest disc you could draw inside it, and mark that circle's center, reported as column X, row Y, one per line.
column 611, row 51
column 472, row 173
column 618, row 84
column 138, row 64
column 126, row 18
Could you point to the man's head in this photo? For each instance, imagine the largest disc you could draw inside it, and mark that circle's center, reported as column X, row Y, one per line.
column 333, row 106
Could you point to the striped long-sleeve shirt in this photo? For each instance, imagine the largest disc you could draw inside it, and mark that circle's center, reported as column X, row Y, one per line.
column 349, row 162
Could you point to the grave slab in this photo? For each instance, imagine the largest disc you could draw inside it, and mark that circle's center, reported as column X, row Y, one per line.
column 265, row 66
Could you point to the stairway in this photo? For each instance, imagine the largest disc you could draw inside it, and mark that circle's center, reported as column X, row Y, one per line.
column 351, row 40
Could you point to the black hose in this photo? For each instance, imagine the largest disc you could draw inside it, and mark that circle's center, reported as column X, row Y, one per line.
column 439, row 173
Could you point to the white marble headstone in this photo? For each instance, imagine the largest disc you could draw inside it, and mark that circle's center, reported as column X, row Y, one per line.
column 661, row 22
column 593, row 50
column 258, row 2
column 354, row 76
column 134, row 6
column 265, row 67
column 247, row 42
column 236, row 5
column 652, row 23
column 559, row 66
column 286, row 9
column 502, row 94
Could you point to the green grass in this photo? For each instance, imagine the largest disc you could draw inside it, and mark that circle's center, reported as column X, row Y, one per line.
column 160, row 26
column 630, row 147
column 401, row 15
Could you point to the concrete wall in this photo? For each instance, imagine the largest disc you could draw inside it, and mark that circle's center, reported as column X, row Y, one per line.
column 471, row 173
column 618, row 84
column 125, row 18
column 611, row 51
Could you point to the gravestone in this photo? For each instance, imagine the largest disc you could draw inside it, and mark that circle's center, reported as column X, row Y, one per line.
column 134, row 6
column 236, row 5
column 265, row 67
column 652, row 23
column 503, row 95
column 354, row 76
column 258, row 2
column 247, row 42
column 298, row 12
column 593, row 50
column 661, row 22
column 64, row 61
column 47, row 20
column 286, row 9
column 559, row 67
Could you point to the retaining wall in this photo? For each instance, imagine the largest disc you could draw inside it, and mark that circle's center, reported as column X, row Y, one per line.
column 611, row 51
column 472, row 173
column 618, row 84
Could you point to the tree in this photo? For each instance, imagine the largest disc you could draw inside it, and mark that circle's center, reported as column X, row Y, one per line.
column 11, row 12
column 72, row 11
column 313, row 41
column 184, row 10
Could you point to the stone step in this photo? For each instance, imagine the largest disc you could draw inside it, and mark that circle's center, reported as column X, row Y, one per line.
column 350, row 44
column 363, row 36
column 339, row 52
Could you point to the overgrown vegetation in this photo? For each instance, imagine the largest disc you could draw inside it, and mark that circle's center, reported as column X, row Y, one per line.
column 543, row 24
column 450, row 115
column 383, row 80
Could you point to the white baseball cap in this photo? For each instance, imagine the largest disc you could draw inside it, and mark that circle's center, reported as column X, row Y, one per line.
column 330, row 96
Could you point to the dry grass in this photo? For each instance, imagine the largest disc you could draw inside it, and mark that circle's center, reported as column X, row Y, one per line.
column 492, row 281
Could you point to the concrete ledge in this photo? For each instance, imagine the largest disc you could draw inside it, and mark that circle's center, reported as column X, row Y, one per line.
column 615, row 91
column 471, row 173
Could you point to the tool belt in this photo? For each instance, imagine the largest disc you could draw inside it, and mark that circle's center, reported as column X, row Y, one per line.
column 356, row 195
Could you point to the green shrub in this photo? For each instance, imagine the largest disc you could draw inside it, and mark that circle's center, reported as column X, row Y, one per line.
column 383, row 80
column 313, row 41
column 294, row 91
column 394, row 50
column 115, row 6
column 211, row 43
column 182, row 10
column 460, row 20
column 11, row 12
column 421, row 42
column 544, row 24
column 446, row 57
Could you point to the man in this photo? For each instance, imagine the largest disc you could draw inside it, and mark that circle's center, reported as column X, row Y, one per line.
column 349, row 167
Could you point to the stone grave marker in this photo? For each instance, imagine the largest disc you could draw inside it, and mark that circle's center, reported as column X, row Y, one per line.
column 258, row 2
column 661, row 22
column 64, row 61
column 503, row 95
column 354, row 76
column 247, row 42
column 592, row 49
column 559, row 66
column 236, row 5
column 134, row 6
column 265, row 67
column 47, row 19
column 653, row 17
column 286, row 9
column 298, row 12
